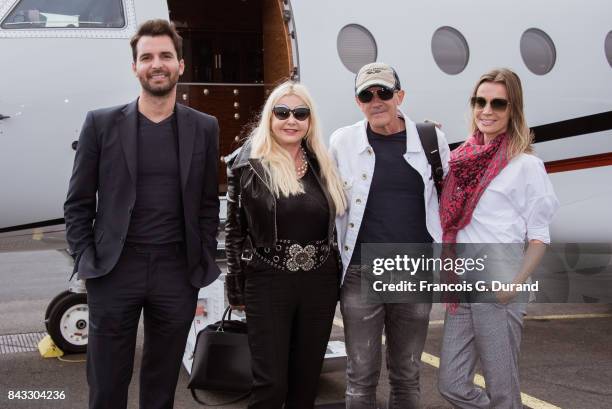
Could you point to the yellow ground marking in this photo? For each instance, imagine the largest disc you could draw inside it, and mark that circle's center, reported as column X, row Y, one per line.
column 567, row 317
column 434, row 361
column 37, row 234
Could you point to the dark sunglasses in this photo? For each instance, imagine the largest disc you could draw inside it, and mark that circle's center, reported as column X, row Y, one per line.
column 282, row 112
column 384, row 94
column 497, row 104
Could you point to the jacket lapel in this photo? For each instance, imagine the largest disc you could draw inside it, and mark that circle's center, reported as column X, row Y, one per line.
column 128, row 134
column 186, row 139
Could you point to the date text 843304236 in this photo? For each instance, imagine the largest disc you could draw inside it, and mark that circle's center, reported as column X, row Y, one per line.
column 36, row 395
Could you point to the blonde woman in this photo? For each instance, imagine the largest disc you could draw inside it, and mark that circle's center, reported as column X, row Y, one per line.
column 497, row 191
column 283, row 196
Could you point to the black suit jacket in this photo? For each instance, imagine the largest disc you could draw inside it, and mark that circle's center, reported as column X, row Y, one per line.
column 102, row 190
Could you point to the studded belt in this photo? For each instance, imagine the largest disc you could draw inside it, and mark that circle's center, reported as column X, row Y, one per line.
column 293, row 256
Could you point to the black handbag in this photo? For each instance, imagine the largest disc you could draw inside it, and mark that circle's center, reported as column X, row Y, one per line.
column 222, row 360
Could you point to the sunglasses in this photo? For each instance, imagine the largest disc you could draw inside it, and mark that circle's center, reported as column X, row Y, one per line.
column 497, row 104
column 384, row 94
column 282, row 112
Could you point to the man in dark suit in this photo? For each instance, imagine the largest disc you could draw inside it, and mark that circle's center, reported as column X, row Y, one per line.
column 142, row 214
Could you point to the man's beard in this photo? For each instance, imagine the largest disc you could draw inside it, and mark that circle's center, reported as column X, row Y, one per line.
column 160, row 90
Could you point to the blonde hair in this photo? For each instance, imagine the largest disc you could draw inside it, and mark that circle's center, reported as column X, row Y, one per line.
column 279, row 165
column 519, row 134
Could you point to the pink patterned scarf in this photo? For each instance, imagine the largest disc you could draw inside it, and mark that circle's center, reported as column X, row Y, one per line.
column 473, row 165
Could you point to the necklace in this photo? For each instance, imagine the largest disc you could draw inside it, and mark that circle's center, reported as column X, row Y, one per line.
column 301, row 170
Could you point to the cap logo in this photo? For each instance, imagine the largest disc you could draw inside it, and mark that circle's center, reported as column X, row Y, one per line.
column 374, row 71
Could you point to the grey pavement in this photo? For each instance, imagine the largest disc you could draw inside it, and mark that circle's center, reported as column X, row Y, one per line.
column 565, row 363
column 28, row 281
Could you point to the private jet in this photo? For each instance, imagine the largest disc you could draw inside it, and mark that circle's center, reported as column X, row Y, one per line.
column 62, row 58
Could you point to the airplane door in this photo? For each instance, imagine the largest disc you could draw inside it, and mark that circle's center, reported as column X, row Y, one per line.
column 235, row 52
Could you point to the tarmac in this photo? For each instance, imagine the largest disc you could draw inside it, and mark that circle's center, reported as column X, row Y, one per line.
column 566, row 354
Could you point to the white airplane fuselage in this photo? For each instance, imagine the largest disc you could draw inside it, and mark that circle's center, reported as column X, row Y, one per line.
column 52, row 77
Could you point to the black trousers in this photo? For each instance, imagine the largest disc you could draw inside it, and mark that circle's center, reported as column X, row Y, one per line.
column 289, row 317
column 152, row 279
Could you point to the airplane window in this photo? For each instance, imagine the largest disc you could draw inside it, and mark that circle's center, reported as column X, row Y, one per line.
column 538, row 51
column 450, row 50
column 608, row 48
column 45, row 14
column 356, row 47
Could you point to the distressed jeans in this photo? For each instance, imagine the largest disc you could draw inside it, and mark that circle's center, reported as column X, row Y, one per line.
column 405, row 328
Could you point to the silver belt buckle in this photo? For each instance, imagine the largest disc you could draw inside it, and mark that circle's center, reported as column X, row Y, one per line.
column 246, row 255
column 301, row 257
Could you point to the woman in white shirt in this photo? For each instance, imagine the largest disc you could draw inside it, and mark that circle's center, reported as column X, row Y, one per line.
column 497, row 191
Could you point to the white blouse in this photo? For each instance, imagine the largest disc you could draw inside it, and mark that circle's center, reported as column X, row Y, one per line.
column 518, row 205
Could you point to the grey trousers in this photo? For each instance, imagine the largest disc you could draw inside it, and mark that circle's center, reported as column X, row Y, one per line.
column 491, row 333
column 405, row 327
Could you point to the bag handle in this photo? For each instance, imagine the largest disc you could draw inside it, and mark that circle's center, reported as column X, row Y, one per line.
column 226, row 314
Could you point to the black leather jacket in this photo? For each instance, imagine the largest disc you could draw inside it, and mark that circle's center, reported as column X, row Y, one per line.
column 251, row 215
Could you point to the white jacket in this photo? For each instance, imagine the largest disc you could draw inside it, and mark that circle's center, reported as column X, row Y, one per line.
column 355, row 160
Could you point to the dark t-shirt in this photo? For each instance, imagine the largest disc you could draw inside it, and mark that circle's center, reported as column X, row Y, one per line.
column 395, row 210
column 303, row 217
column 157, row 217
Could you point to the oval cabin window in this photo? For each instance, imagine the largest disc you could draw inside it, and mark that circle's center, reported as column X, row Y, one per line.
column 608, row 48
column 538, row 51
column 356, row 47
column 450, row 50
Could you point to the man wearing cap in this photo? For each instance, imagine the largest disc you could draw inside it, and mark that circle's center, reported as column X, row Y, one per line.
column 392, row 199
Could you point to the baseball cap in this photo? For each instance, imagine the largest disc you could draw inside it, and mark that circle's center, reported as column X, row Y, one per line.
column 376, row 73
